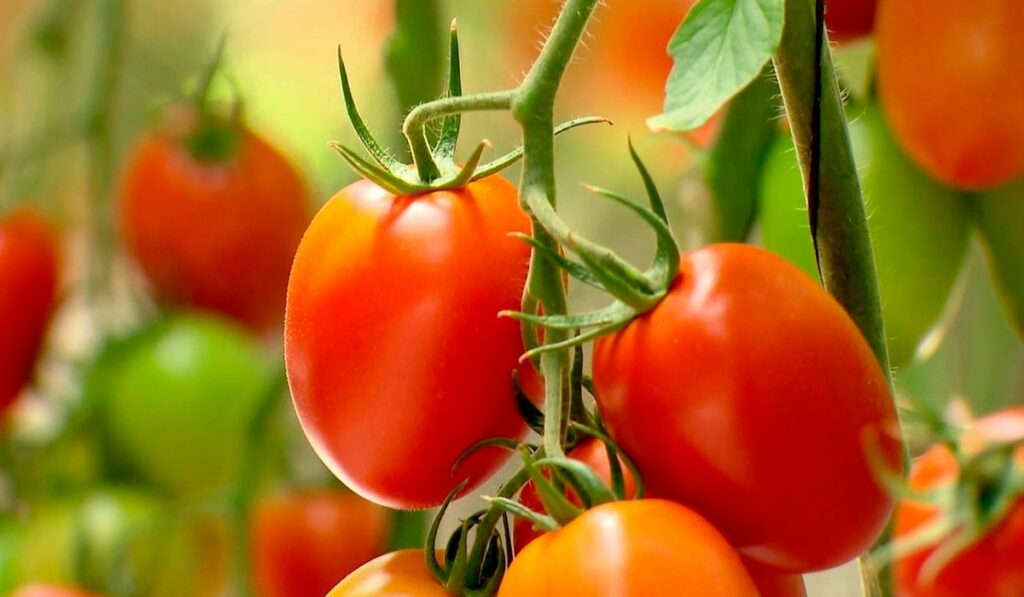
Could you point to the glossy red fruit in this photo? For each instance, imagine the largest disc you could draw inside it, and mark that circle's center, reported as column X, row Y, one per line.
column 634, row 548
column 951, row 82
column 396, row 357
column 28, row 295
column 305, row 543
column 994, row 566
column 749, row 395
column 849, row 19
column 215, row 233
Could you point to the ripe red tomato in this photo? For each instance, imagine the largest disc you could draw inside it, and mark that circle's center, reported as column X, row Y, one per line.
column 749, row 395
column 50, row 591
column 28, row 293
column 397, row 574
column 771, row 583
column 592, row 453
column 632, row 548
column 304, row 543
column 849, row 19
column 216, row 234
column 951, row 86
column 993, row 567
column 396, row 358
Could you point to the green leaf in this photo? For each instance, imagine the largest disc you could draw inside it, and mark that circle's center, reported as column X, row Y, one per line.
column 720, row 48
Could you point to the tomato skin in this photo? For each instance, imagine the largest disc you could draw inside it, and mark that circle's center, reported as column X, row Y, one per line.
column 178, row 399
column 396, row 574
column 914, row 284
column 993, row 567
column 629, row 548
column 591, row 452
column 28, row 295
column 849, row 19
column 743, row 351
column 216, row 235
column 396, row 358
column 304, row 543
column 952, row 89
column 50, row 591
column 771, row 583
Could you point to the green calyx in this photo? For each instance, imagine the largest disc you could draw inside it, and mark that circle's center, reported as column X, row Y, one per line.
column 635, row 291
column 989, row 486
column 434, row 165
column 215, row 135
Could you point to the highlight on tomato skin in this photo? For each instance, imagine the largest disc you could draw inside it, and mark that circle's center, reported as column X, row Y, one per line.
column 303, row 542
column 756, row 351
column 633, row 549
column 29, row 270
column 397, row 574
column 992, row 566
column 392, row 386
column 952, row 89
column 214, row 233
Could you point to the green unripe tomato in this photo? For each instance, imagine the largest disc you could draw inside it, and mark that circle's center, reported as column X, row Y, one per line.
column 919, row 229
column 111, row 539
column 1000, row 216
column 177, row 401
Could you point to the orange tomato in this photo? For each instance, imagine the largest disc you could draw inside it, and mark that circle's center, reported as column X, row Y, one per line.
column 397, row 574
column 216, row 234
column 50, row 591
column 630, row 549
column 304, row 543
column 951, row 83
column 28, row 294
column 994, row 566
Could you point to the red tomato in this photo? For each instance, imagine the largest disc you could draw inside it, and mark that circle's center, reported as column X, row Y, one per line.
column 396, row 357
column 632, row 548
column 771, row 583
column 993, row 567
column 50, row 591
column 951, row 83
column 28, row 293
column 749, row 395
column 215, row 234
column 849, row 19
column 592, row 453
column 304, row 543
column 397, row 574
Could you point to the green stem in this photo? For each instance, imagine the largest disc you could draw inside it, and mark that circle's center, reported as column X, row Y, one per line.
column 414, row 127
column 838, row 218
column 844, row 245
column 99, row 123
column 533, row 108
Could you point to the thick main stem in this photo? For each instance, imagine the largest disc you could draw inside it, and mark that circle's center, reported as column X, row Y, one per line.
column 533, row 108
column 810, row 89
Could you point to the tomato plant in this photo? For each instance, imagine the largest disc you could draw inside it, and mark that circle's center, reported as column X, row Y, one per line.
column 177, row 400
column 745, row 350
column 994, row 564
column 304, row 543
column 952, row 89
column 592, row 453
column 28, row 294
column 392, row 331
column 397, row 574
column 630, row 548
column 214, row 229
column 915, row 285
